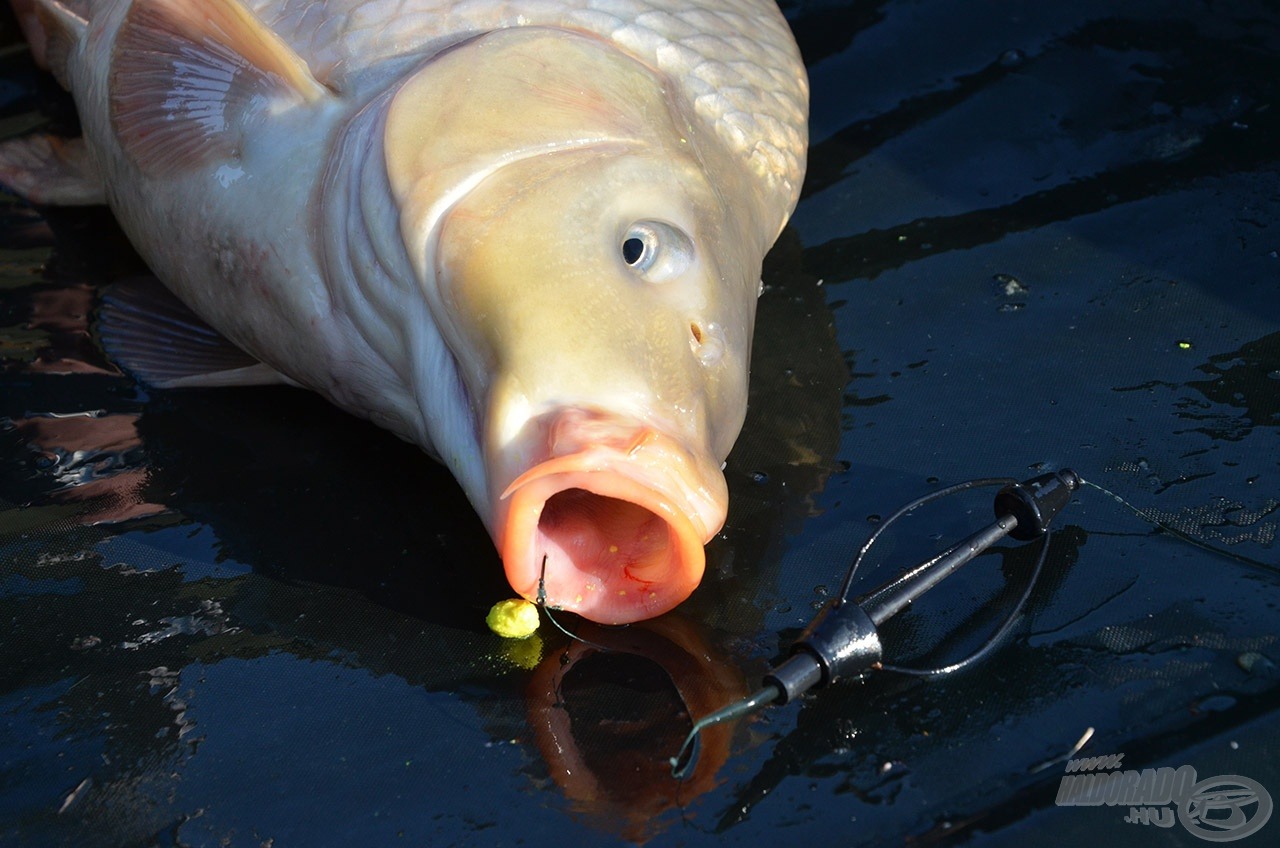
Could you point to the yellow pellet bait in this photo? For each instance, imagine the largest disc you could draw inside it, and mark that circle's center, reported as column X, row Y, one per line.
column 513, row 619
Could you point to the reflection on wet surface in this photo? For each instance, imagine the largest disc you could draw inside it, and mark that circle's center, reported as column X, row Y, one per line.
column 604, row 710
column 1034, row 236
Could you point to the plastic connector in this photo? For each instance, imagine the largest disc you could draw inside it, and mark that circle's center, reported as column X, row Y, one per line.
column 840, row 642
column 1035, row 502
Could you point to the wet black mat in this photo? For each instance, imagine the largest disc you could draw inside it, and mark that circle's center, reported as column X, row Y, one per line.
column 1034, row 236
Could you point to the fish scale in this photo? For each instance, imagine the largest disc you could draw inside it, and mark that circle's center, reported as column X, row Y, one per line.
column 524, row 236
column 734, row 59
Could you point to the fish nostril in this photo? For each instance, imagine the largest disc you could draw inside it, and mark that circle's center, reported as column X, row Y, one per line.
column 707, row 343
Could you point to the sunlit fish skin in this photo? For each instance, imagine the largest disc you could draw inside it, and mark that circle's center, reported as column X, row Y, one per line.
column 524, row 235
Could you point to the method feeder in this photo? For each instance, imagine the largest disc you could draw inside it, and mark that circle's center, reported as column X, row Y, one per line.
column 843, row 641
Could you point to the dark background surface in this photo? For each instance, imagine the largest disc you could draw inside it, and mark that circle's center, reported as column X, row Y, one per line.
column 1035, row 235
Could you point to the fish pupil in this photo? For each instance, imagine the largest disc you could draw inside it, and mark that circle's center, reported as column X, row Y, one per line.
column 632, row 250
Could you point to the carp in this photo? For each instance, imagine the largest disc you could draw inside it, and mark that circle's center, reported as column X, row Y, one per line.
column 525, row 235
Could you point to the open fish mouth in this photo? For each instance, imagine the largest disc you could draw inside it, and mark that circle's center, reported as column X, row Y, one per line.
column 610, row 528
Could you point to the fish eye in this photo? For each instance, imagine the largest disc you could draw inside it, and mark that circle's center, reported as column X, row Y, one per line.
column 655, row 250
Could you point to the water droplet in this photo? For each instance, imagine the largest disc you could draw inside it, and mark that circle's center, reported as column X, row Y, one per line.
column 759, row 477
column 1012, row 58
column 1257, row 663
column 1214, row 704
column 821, row 590
column 1009, row 285
column 1010, row 307
column 873, row 519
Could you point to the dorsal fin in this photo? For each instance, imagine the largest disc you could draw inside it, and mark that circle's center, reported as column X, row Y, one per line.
column 186, row 74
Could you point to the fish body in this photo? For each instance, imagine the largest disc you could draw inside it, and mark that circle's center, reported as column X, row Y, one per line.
column 524, row 235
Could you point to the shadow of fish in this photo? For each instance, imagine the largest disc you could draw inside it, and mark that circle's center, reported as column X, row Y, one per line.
column 526, row 236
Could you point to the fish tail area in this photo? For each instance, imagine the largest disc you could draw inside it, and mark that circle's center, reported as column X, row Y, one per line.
column 613, row 535
column 45, row 169
column 52, row 28
column 48, row 170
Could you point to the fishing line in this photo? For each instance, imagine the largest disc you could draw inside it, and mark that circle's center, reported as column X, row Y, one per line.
column 726, row 713
column 1181, row 534
column 907, row 510
column 542, row 603
column 992, row 641
column 912, row 574
column 843, row 640
column 1062, row 758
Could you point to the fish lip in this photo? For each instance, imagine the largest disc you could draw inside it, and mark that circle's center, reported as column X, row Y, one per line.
column 619, row 522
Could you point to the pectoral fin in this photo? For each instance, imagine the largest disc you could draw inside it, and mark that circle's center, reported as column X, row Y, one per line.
column 157, row 339
column 45, row 169
column 188, row 74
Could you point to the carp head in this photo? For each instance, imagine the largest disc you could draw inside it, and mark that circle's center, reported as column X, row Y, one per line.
column 590, row 250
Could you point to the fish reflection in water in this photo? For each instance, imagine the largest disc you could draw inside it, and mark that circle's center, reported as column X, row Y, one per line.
column 607, row 710
column 168, row 524
column 599, row 720
column 377, row 574
column 89, row 459
column 533, row 241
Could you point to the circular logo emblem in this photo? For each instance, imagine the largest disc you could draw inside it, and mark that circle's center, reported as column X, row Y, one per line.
column 1225, row 808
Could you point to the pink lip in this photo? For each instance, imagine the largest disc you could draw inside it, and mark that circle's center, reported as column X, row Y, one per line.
column 620, row 521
